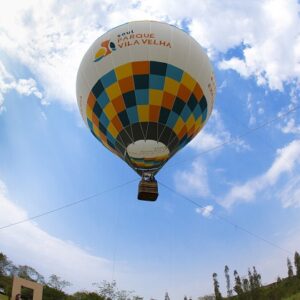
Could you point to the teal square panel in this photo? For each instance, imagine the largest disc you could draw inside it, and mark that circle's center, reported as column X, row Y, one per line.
column 142, row 96
column 174, row 73
column 104, row 120
column 173, row 117
column 132, row 114
column 186, row 113
column 108, row 79
column 103, row 100
column 156, row 82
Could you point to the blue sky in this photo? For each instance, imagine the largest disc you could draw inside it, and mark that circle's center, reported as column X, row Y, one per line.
column 48, row 157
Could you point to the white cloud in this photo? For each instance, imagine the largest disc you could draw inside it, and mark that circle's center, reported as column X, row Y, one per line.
column 206, row 141
column 193, row 181
column 205, row 211
column 51, row 38
column 215, row 135
column 46, row 253
column 271, row 37
column 291, row 127
column 260, row 111
column 252, row 119
column 286, row 161
column 222, row 86
column 290, row 194
column 290, row 121
column 23, row 86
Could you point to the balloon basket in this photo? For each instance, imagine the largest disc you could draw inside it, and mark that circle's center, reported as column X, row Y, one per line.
column 148, row 189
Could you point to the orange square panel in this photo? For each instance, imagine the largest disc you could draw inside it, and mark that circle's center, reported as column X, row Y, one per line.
column 191, row 131
column 91, row 100
column 95, row 120
column 117, row 123
column 119, row 104
column 140, row 67
column 168, row 100
column 198, row 92
column 184, row 93
column 182, row 133
column 154, row 113
column 126, row 84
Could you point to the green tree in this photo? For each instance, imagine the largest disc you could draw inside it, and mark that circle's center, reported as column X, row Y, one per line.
column 238, row 284
column 256, row 279
column 83, row 295
column 255, row 283
column 50, row 293
column 207, row 297
column 123, row 294
column 246, row 285
column 218, row 294
column 5, row 264
column 290, row 268
column 57, row 283
column 109, row 291
column 227, row 276
column 30, row 273
column 297, row 263
column 251, row 280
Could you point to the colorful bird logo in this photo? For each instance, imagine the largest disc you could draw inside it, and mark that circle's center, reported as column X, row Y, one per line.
column 106, row 48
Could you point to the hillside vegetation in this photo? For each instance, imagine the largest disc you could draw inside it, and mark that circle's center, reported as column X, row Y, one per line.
column 241, row 288
column 250, row 287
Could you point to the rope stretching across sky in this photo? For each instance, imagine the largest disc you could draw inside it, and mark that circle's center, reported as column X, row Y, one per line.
column 229, row 141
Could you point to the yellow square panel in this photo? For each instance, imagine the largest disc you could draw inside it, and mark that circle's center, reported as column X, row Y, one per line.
column 96, row 131
column 188, row 81
column 198, row 124
column 89, row 113
column 110, row 111
column 155, row 97
column 123, row 71
column 113, row 91
column 171, row 86
column 178, row 126
column 112, row 130
column 143, row 112
column 190, row 122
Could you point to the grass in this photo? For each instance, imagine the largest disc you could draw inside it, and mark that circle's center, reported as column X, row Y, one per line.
column 294, row 297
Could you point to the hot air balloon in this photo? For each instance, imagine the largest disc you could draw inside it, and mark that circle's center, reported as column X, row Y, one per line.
column 145, row 89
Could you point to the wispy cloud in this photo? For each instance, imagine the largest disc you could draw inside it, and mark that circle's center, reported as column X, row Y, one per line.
column 214, row 135
column 47, row 253
column 290, row 124
column 23, row 86
column 205, row 211
column 52, row 48
column 270, row 38
column 291, row 127
column 193, row 181
column 286, row 160
column 290, row 194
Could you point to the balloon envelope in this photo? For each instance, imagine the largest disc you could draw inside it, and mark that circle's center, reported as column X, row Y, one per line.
column 145, row 89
